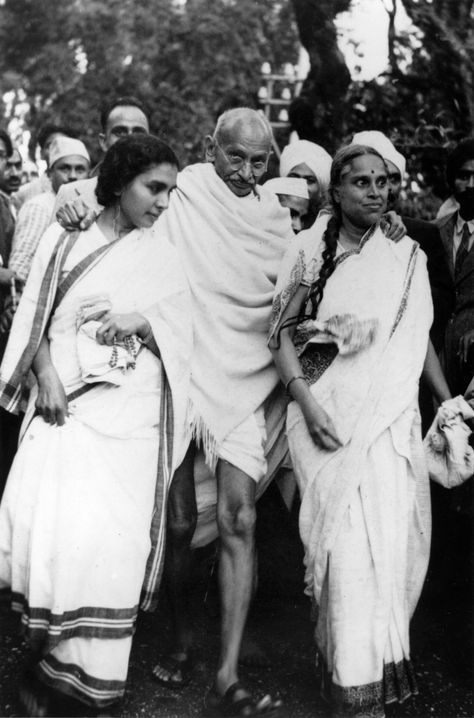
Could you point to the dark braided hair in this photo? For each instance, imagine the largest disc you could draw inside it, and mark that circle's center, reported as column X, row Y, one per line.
column 309, row 309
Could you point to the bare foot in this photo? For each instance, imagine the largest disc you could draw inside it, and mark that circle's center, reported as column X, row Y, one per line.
column 174, row 670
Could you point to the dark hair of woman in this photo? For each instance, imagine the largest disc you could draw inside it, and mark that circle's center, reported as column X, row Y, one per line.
column 125, row 160
column 343, row 157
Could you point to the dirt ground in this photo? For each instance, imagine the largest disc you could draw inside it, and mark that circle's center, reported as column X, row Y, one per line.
column 280, row 623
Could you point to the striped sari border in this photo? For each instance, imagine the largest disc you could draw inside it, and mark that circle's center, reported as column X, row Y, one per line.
column 10, row 391
column 42, row 626
column 406, row 289
column 77, row 272
column 154, row 568
column 72, row 680
column 51, row 293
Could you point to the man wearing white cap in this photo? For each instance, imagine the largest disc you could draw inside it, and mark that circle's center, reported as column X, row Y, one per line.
column 310, row 162
column 68, row 161
column 292, row 192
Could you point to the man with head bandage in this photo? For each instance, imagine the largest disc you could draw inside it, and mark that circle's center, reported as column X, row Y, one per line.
column 312, row 163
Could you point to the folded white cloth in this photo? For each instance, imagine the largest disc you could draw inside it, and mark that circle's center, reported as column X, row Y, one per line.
column 346, row 331
column 100, row 362
column 449, row 456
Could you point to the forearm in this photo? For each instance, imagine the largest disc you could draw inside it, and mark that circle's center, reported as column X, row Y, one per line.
column 434, row 377
column 290, row 371
column 42, row 363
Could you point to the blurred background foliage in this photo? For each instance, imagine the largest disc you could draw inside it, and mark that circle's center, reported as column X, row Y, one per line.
column 62, row 60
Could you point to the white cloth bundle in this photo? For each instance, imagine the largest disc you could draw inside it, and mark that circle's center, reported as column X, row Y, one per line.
column 449, row 457
column 345, row 330
column 100, row 362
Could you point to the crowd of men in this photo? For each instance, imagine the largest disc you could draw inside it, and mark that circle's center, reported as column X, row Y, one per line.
column 239, row 152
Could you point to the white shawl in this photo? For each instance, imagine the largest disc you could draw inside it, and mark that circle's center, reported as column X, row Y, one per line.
column 231, row 248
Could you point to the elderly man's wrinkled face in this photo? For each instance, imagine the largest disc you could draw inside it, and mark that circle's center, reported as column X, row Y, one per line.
column 240, row 156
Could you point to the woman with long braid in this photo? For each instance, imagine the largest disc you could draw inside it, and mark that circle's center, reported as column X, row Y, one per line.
column 349, row 335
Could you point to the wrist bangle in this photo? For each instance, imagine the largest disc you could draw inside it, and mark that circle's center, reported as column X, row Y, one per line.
column 293, row 378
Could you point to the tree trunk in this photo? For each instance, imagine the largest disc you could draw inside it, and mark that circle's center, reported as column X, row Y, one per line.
column 449, row 24
column 327, row 83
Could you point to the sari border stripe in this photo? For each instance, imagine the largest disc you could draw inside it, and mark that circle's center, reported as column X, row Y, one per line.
column 71, row 679
column 42, row 626
column 406, row 290
column 397, row 684
column 154, row 568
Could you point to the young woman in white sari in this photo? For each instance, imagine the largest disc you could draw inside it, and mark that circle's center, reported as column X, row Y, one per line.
column 104, row 325
column 349, row 335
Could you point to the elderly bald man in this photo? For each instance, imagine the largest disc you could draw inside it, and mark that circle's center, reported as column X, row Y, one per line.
column 231, row 235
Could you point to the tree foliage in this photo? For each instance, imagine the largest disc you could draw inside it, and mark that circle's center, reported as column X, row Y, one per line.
column 425, row 99
column 185, row 61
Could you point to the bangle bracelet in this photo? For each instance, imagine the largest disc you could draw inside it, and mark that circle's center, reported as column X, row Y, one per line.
column 293, row 378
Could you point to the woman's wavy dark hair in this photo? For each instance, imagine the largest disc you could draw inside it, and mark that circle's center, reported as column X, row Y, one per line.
column 343, row 157
column 125, row 160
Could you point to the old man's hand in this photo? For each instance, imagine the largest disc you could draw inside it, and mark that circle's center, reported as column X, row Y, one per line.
column 394, row 228
column 76, row 214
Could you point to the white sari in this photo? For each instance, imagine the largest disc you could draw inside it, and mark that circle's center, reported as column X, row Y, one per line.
column 365, row 515
column 82, row 520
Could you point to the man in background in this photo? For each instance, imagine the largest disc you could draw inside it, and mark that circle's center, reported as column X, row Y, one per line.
column 309, row 161
column 12, row 176
column 46, row 136
column 457, row 234
column 122, row 117
column 292, row 193
column 69, row 162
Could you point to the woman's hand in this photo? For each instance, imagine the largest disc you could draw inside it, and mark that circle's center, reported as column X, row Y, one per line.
column 51, row 402
column 115, row 327
column 321, row 428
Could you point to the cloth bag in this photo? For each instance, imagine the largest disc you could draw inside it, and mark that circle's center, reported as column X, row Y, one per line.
column 450, row 458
